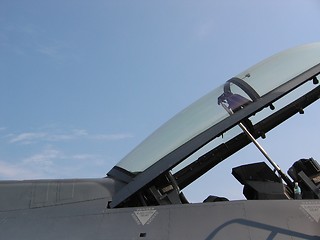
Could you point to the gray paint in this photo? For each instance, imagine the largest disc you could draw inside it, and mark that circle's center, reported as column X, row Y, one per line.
column 272, row 219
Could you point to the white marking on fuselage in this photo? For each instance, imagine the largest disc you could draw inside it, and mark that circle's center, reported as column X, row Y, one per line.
column 144, row 216
column 312, row 209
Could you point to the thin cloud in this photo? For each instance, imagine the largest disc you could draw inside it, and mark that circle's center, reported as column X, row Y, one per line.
column 44, row 158
column 15, row 171
column 80, row 132
column 32, row 39
column 76, row 134
column 93, row 159
column 51, row 162
column 110, row 137
column 27, row 137
column 51, row 49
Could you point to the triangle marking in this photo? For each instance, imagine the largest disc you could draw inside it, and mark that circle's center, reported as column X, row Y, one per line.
column 313, row 210
column 145, row 216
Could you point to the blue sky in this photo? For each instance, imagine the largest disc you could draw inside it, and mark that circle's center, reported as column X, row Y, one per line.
column 83, row 82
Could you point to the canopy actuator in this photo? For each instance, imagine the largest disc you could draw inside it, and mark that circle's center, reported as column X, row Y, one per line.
column 229, row 109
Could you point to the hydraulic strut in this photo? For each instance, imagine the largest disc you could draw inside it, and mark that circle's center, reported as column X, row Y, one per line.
column 261, row 149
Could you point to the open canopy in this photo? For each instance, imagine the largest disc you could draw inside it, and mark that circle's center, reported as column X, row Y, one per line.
column 236, row 101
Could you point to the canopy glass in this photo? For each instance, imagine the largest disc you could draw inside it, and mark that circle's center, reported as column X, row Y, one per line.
column 205, row 113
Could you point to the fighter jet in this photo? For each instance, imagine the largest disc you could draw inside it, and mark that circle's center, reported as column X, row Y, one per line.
column 142, row 196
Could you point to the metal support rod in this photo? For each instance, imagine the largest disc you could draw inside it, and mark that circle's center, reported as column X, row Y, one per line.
column 273, row 163
column 251, row 137
column 246, row 131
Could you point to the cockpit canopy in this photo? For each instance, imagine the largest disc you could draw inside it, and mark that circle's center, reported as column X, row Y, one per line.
column 260, row 87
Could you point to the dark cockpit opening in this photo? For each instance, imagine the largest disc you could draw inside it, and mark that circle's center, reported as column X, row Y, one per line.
column 163, row 190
